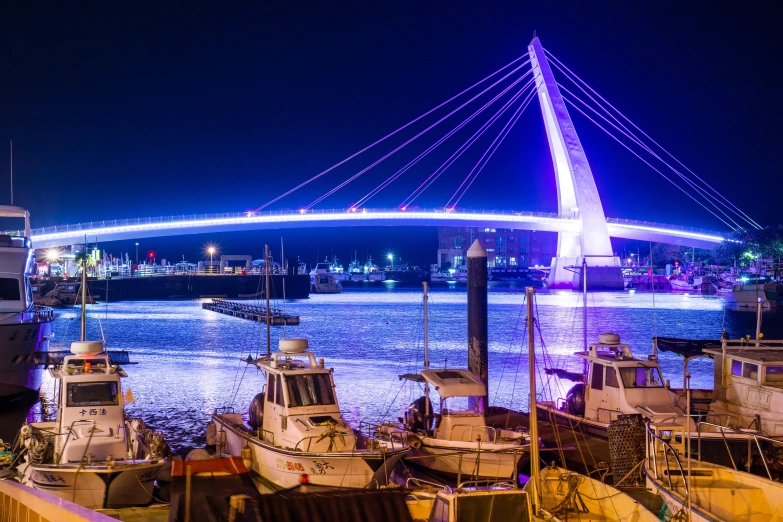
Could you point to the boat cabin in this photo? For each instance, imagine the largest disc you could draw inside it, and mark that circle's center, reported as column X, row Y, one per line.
column 90, row 419
column 618, row 383
column 299, row 409
column 462, row 396
column 16, row 263
column 749, row 381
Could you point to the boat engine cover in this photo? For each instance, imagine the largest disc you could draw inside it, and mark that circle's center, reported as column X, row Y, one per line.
column 257, row 411
column 575, row 400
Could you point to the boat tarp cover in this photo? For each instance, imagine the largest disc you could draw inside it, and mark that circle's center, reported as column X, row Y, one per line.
column 328, row 504
column 455, row 383
column 565, row 374
column 412, row 377
column 213, row 482
column 494, row 508
column 686, row 348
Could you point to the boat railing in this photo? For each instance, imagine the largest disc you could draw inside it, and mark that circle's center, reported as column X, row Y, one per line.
column 414, row 482
column 610, row 411
column 486, row 483
column 265, row 435
column 489, row 430
column 71, row 434
column 652, row 451
column 751, row 436
column 392, row 433
column 319, row 438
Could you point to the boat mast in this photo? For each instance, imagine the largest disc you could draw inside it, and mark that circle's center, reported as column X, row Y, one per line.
column 84, row 295
column 584, row 303
column 266, row 291
column 426, row 353
column 534, row 457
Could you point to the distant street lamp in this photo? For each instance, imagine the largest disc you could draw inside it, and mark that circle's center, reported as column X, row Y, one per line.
column 390, row 257
column 211, row 251
column 137, row 254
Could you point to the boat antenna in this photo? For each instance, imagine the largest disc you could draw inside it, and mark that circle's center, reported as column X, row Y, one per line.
column 266, row 291
column 425, row 285
column 84, row 292
column 534, row 456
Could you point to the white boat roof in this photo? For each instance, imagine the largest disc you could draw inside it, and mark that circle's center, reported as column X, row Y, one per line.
column 455, row 383
column 765, row 355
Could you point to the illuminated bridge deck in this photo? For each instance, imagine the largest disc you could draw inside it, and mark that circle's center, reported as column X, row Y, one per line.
column 128, row 229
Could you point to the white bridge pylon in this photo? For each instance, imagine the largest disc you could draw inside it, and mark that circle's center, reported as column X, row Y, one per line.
column 577, row 194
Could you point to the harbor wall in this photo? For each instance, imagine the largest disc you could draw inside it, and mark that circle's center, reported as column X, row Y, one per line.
column 196, row 286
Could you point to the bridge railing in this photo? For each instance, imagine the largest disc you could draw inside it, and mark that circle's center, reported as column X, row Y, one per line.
column 93, row 225
column 97, row 225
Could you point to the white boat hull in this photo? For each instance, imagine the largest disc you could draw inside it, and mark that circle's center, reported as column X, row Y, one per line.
column 282, row 468
column 96, row 487
column 469, row 461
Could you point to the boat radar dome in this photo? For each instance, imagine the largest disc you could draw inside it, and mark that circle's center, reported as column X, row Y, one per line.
column 86, row 347
column 609, row 339
column 293, row 345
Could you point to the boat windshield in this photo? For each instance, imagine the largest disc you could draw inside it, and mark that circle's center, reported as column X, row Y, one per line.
column 92, row 394
column 641, row 377
column 313, row 389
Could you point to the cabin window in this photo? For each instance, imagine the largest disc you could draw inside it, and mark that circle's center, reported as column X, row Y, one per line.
column 641, row 377
column 92, row 394
column 750, row 371
column 270, row 389
column 440, row 513
column 313, row 389
column 611, row 377
column 597, row 381
column 736, row 367
column 9, row 289
column 774, row 374
column 279, row 391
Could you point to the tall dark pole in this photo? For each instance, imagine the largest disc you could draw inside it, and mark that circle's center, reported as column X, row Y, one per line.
column 478, row 357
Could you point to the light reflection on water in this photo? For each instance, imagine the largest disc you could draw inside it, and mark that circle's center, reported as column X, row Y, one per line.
column 189, row 358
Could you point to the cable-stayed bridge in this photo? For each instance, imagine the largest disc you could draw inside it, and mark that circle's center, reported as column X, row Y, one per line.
column 498, row 100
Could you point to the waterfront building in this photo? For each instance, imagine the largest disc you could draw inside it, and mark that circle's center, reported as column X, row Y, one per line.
column 506, row 247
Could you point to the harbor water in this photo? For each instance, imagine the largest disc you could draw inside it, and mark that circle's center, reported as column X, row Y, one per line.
column 190, row 359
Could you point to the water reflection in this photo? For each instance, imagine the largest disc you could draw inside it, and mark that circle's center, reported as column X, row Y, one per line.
column 189, row 358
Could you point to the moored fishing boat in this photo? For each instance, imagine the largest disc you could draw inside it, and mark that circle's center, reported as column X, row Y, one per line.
column 296, row 428
column 561, row 495
column 703, row 492
column 92, row 454
column 460, row 443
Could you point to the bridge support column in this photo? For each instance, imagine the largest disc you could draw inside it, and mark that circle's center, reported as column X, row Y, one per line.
column 577, row 194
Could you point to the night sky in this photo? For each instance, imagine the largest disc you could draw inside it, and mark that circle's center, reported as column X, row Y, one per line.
column 131, row 112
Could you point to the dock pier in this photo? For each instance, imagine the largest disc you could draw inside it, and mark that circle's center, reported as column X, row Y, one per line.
column 251, row 312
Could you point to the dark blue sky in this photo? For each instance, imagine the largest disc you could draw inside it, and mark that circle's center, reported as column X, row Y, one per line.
column 149, row 111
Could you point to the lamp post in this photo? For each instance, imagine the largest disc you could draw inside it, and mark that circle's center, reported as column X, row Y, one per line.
column 390, row 257
column 137, row 254
column 211, row 251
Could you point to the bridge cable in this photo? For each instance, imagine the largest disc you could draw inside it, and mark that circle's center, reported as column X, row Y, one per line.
column 414, row 138
column 630, row 135
column 461, row 150
column 402, row 128
column 641, row 144
column 490, row 150
column 559, row 64
column 410, row 164
column 645, row 161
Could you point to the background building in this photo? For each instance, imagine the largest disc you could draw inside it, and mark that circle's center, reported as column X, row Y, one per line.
column 506, row 248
